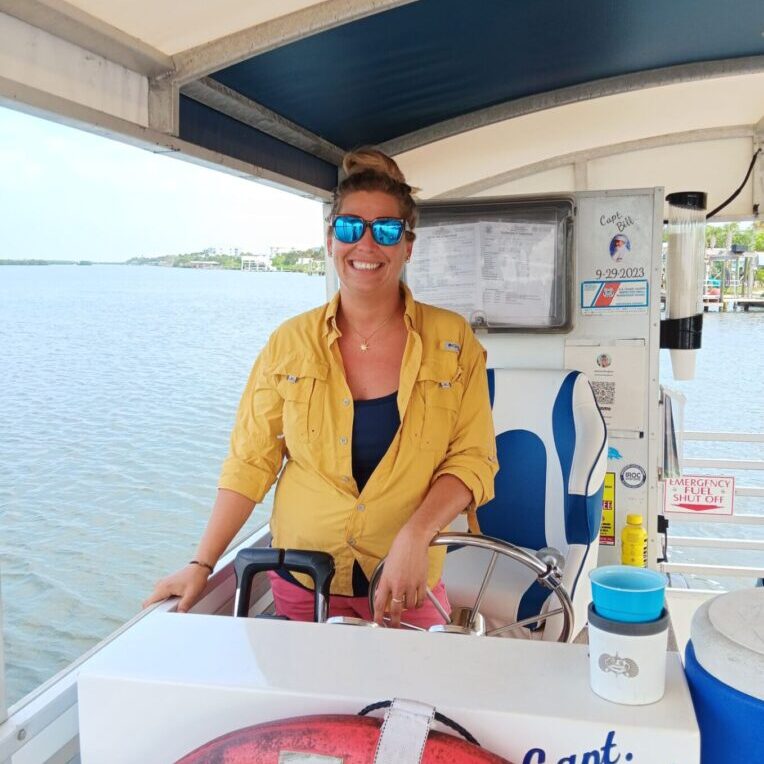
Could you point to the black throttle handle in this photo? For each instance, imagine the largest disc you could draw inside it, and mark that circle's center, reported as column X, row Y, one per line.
column 318, row 565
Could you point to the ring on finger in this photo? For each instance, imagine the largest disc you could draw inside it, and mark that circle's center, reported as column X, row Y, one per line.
column 398, row 601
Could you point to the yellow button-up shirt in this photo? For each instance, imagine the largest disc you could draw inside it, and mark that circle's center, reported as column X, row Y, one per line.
column 297, row 405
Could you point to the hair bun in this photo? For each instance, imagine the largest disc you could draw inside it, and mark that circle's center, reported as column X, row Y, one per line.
column 369, row 159
column 368, row 169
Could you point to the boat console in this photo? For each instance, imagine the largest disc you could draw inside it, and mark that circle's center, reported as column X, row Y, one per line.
column 174, row 682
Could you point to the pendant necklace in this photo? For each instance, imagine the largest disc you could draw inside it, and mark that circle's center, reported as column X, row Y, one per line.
column 364, row 346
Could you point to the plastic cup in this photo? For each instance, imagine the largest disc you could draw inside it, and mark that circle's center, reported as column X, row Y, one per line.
column 627, row 594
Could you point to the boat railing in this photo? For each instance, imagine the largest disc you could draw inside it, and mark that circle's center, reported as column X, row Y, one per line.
column 43, row 726
column 741, row 518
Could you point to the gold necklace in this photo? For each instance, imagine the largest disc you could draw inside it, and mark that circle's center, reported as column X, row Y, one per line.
column 365, row 340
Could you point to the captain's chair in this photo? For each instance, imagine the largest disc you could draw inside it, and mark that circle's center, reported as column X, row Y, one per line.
column 552, row 450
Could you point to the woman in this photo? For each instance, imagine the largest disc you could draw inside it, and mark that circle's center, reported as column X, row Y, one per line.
column 380, row 405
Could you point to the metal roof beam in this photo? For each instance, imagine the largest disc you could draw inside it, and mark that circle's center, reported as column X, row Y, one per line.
column 205, row 59
column 227, row 101
column 600, row 152
column 48, row 106
column 67, row 22
column 574, row 94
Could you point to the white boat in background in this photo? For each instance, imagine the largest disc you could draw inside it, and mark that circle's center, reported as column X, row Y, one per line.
column 503, row 113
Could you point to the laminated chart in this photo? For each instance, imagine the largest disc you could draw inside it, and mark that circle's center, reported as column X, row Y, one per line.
column 491, row 272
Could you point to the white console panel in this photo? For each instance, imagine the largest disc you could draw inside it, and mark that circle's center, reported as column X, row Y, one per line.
column 173, row 682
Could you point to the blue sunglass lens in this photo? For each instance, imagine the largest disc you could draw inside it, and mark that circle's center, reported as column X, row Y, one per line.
column 387, row 232
column 348, row 229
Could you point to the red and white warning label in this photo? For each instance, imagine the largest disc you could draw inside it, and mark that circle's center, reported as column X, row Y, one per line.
column 700, row 494
column 628, row 295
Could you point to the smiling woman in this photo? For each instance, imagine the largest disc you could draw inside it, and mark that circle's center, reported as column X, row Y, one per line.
column 379, row 405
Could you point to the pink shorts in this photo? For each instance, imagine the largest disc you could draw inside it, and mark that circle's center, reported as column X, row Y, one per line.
column 296, row 603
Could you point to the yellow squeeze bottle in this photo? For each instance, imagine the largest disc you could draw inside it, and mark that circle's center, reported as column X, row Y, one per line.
column 634, row 542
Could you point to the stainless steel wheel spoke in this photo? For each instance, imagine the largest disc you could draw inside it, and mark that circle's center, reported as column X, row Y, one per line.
column 443, row 614
column 405, row 625
column 483, row 587
column 525, row 622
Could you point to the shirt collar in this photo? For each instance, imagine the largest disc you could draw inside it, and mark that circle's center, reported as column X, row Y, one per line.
column 409, row 307
column 330, row 317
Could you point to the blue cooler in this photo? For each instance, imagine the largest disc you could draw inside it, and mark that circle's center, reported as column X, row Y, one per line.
column 724, row 663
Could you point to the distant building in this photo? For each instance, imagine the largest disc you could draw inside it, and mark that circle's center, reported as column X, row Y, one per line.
column 203, row 264
column 234, row 251
column 256, row 263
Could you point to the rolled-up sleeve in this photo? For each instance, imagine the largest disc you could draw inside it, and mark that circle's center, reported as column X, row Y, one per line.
column 471, row 454
column 257, row 443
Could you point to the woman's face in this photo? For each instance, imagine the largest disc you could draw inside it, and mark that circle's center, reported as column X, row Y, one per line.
column 365, row 266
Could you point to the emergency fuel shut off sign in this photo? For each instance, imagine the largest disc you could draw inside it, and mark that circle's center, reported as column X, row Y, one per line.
column 700, row 494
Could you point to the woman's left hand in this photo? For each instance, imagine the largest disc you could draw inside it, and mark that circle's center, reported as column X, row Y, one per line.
column 403, row 584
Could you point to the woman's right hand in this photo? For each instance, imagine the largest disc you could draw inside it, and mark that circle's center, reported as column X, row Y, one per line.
column 187, row 583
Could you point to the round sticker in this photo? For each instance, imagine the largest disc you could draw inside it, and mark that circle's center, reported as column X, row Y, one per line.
column 633, row 476
column 620, row 246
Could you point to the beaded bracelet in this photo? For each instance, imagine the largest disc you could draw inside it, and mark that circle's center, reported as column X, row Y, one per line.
column 203, row 565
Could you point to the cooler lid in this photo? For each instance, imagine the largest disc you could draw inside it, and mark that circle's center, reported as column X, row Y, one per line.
column 739, row 616
column 728, row 637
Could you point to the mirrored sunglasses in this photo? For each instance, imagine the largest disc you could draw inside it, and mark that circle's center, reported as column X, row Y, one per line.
column 385, row 231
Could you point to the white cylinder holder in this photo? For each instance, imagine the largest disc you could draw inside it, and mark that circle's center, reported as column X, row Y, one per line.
column 685, row 275
column 627, row 661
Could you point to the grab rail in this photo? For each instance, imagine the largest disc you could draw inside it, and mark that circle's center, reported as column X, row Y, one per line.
column 742, row 519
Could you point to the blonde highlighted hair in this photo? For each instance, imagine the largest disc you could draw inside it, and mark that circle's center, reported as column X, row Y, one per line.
column 369, row 169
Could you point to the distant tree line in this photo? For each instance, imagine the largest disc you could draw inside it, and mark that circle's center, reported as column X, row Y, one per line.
column 752, row 238
column 184, row 260
column 290, row 261
column 283, row 261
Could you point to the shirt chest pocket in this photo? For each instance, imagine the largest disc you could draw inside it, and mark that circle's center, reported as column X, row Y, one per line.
column 301, row 382
column 441, row 389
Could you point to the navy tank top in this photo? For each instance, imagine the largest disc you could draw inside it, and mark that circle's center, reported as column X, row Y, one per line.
column 374, row 426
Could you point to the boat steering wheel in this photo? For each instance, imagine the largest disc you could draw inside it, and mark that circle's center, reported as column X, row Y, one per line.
column 468, row 620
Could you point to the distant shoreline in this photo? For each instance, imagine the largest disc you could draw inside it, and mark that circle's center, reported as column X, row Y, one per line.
column 56, row 262
column 148, row 265
column 309, row 261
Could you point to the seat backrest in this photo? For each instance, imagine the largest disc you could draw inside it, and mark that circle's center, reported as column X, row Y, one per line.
column 552, row 451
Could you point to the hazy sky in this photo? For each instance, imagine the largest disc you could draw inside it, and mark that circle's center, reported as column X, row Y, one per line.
column 69, row 195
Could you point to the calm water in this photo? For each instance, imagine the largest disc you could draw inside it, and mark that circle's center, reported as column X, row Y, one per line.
column 118, row 389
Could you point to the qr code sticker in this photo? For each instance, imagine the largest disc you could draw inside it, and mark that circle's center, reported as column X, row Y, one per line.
column 604, row 392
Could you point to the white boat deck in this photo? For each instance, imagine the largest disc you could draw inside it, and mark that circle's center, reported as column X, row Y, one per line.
column 682, row 604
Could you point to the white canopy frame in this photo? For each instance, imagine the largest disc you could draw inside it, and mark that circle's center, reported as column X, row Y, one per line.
column 87, row 62
column 117, row 68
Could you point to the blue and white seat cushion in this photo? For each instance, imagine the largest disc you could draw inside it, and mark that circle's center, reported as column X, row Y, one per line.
column 552, row 450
